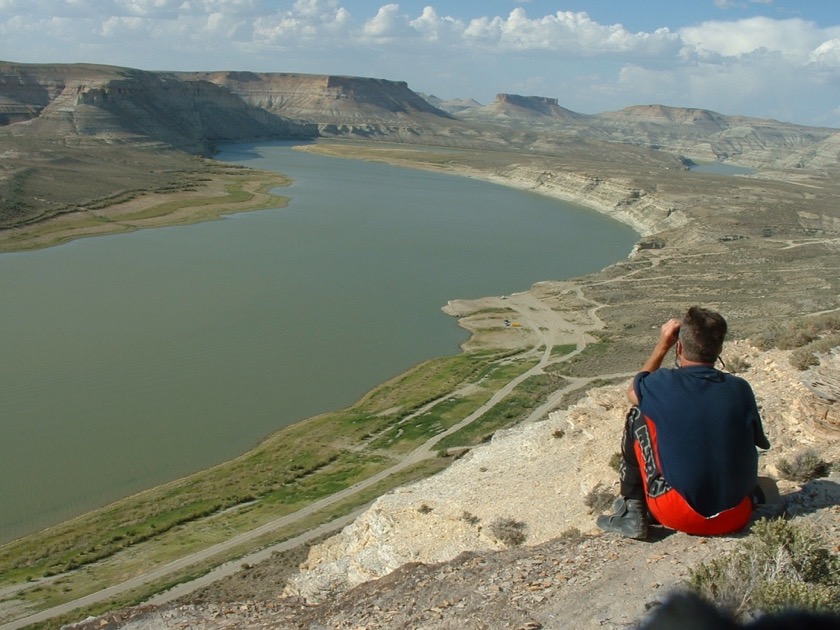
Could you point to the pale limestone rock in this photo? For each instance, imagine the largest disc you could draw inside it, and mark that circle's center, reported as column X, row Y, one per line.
column 538, row 473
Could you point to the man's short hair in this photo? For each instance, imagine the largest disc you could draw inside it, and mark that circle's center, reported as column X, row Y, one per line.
column 701, row 333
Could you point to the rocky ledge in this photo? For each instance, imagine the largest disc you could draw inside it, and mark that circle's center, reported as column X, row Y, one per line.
column 428, row 555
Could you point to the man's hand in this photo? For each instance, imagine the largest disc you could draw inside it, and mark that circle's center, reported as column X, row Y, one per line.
column 668, row 335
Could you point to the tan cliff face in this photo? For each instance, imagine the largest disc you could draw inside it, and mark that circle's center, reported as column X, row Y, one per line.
column 531, row 106
column 325, row 99
column 127, row 105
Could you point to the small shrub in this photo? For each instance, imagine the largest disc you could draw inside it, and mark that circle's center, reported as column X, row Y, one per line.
column 572, row 534
column 472, row 519
column 803, row 358
column 558, row 433
column 779, row 566
column 767, row 339
column 599, row 499
column 424, row 508
column 801, row 333
column 804, row 466
column 508, row 531
column 796, row 339
column 737, row 365
column 615, row 461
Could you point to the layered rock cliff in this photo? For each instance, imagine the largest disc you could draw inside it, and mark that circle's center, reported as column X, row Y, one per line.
column 336, row 104
column 124, row 105
column 708, row 135
column 530, row 108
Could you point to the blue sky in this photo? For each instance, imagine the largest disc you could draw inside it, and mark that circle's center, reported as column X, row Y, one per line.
column 767, row 58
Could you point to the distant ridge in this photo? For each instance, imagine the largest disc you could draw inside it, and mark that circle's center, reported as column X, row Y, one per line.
column 516, row 105
column 325, row 99
column 514, row 108
column 114, row 104
column 665, row 114
column 452, row 106
column 50, row 113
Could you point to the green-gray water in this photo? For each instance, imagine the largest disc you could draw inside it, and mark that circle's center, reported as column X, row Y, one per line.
column 132, row 360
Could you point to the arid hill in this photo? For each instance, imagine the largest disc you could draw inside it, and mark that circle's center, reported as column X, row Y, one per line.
column 696, row 133
column 124, row 105
column 336, row 100
column 525, row 109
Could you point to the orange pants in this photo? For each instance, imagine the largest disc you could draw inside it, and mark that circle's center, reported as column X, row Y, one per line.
column 641, row 475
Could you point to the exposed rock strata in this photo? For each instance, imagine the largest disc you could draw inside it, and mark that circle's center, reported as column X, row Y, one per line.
column 530, row 107
column 49, row 110
column 338, row 105
column 121, row 105
column 619, row 199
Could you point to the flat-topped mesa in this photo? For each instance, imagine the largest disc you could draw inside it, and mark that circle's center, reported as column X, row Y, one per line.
column 104, row 103
column 664, row 114
column 707, row 135
column 326, row 99
column 532, row 106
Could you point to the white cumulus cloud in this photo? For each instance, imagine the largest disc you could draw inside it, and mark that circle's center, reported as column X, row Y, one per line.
column 566, row 32
column 793, row 38
column 827, row 54
column 735, row 66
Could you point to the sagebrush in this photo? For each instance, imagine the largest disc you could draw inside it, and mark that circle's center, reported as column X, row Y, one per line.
column 778, row 567
column 508, row 531
column 804, row 466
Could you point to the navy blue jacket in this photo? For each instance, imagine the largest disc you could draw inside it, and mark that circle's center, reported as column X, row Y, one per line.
column 707, row 428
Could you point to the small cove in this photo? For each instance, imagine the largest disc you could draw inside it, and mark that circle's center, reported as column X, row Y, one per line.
column 135, row 359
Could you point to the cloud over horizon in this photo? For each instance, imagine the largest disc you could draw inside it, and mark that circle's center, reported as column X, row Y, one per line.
column 786, row 68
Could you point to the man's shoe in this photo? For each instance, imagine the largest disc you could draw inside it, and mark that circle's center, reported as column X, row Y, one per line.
column 630, row 519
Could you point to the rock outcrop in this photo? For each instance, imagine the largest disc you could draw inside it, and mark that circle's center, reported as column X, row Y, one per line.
column 123, row 105
column 642, row 210
column 338, row 105
column 516, row 106
column 539, row 474
column 703, row 134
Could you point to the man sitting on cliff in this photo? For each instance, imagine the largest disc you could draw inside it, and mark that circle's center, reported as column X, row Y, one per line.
column 688, row 451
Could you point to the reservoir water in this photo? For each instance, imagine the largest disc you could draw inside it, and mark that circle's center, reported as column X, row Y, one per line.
column 132, row 360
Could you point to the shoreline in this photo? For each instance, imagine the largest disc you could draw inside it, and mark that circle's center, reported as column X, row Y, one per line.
column 258, row 185
column 618, row 198
column 750, row 291
column 224, row 194
column 125, row 216
column 185, row 208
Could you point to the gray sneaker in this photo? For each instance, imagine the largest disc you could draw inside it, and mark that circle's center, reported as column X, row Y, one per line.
column 629, row 519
